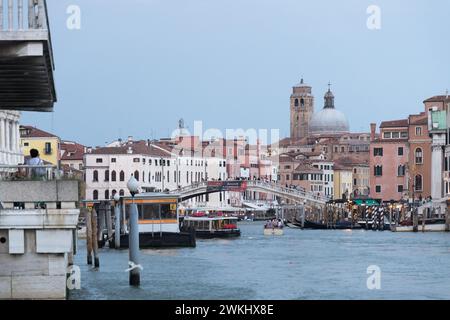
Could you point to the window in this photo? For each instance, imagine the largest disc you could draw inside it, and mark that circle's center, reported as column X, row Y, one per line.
column 121, row 193
column 419, row 156
column 418, row 131
column 95, row 195
column 404, row 134
column 136, row 175
column 378, row 172
column 48, row 148
column 418, row 183
column 342, row 149
column 113, row 176
column 136, row 160
column 106, row 194
column 302, row 102
column 122, row 176
column 95, row 176
column 26, row 144
column 107, row 175
column 400, row 188
column 401, row 170
column 378, row 152
column 395, row 135
column 378, row 189
column 114, row 192
column 113, row 160
column 296, row 102
column 387, row 135
column 400, row 151
column 99, row 160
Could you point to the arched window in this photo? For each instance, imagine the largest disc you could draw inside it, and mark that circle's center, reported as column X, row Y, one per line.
column 302, row 102
column 419, row 156
column 296, row 102
column 95, row 176
column 418, row 183
column 106, row 194
column 107, row 175
column 143, row 176
column 113, row 176
column 95, row 195
column 113, row 193
column 121, row 193
column 149, row 177
column 122, row 176
column 136, row 175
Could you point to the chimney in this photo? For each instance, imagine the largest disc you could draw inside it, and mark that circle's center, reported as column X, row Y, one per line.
column 130, row 150
column 373, row 128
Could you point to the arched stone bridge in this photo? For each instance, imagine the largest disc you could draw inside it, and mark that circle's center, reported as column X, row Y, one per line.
column 207, row 187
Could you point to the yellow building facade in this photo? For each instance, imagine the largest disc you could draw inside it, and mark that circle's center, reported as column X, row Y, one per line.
column 46, row 143
column 343, row 182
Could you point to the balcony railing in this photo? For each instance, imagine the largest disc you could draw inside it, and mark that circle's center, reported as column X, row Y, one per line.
column 23, row 15
column 28, row 172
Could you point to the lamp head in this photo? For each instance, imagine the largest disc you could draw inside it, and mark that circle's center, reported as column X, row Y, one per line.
column 116, row 197
column 133, row 186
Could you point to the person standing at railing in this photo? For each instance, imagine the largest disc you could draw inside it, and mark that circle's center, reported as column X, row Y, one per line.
column 35, row 160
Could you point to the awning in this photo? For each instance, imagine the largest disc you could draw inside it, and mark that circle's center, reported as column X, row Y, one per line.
column 367, row 202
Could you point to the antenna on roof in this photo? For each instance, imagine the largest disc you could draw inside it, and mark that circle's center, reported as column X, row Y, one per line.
column 446, row 94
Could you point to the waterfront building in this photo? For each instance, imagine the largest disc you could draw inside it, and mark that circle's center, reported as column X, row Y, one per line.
column 48, row 144
column 400, row 159
column 389, row 160
column 157, row 167
column 10, row 153
column 438, row 108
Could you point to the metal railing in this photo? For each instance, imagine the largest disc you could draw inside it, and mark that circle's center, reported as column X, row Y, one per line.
column 268, row 186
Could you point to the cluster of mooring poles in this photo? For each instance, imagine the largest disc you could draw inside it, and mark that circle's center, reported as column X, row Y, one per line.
column 98, row 218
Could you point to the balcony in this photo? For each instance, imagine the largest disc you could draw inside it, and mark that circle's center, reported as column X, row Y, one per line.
column 26, row 57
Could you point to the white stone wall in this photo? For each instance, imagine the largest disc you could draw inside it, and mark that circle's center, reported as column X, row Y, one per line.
column 10, row 153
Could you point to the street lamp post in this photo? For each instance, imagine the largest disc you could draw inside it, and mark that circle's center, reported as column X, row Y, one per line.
column 133, row 238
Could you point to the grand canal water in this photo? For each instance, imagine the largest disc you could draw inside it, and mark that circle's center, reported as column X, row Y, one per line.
column 298, row 265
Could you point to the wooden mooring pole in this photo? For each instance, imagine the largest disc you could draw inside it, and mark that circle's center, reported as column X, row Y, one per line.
column 95, row 238
column 88, row 220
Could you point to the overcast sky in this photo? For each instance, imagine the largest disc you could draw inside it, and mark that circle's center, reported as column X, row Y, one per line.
column 136, row 66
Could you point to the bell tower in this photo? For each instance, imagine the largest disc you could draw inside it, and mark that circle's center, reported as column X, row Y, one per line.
column 302, row 109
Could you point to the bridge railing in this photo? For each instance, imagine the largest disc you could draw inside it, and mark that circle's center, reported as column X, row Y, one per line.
column 262, row 184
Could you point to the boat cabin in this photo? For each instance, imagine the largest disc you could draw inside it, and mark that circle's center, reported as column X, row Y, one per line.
column 158, row 212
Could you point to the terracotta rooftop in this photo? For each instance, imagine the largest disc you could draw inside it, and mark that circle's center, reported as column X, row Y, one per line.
column 137, row 147
column 72, row 151
column 394, row 123
column 33, row 132
column 443, row 98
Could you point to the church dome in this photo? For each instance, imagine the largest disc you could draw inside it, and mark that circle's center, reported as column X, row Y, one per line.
column 329, row 120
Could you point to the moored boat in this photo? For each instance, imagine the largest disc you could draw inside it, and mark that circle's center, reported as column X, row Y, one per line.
column 208, row 227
